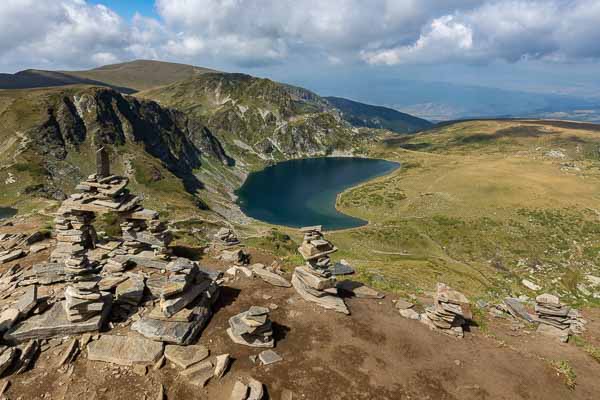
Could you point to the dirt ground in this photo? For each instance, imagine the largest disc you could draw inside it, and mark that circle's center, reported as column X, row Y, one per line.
column 372, row 354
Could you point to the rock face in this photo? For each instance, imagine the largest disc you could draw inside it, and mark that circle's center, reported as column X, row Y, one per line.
column 124, row 350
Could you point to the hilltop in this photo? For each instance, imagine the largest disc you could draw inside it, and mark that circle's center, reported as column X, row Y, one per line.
column 128, row 77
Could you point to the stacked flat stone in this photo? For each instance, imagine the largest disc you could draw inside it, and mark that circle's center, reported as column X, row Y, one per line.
column 252, row 328
column 450, row 312
column 557, row 319
column 186, row 295
column 315, row 249
column 74, row 234
column 140, row 234
column 226, row 237
column 83, row 301
column 314, row 281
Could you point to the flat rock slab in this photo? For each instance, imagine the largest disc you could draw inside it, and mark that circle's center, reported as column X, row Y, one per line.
column 517, row 309
column 182, row 333
column 186, row 356
column 54, row 323
column 271, row 277
column 328, row 302
column 359, row 290
column 269, row 357
column 125, row 350
column 341, row 269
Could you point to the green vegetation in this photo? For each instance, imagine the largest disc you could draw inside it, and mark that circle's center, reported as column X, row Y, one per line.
column 593, row 351
column 564, row 369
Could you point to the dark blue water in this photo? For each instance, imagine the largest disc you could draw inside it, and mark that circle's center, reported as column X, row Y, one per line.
column 6, row 212
column 303, row 192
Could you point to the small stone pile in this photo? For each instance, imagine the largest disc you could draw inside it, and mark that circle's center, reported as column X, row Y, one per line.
column 557, row 319
column 139, row 234
column 186, row 294
column 450, row 312
column 314, row 281
column 252, row 328
column 226, row 237
column 315, row 249
column 83, row 301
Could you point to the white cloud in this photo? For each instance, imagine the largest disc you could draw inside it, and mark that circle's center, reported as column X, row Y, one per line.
column 74, row 33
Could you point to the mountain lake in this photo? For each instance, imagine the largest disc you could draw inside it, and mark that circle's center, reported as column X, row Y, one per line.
column 7, row 212
column 303, row 192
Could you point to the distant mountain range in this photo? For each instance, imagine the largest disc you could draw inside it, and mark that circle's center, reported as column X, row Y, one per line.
column 360, row 114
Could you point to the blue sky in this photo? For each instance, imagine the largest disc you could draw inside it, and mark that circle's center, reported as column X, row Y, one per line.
column 127, row 8
column 344, row 47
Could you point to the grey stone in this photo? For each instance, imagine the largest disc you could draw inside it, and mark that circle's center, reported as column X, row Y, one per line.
column 410, row 314
column 181, row 333
column 270, row 277
column 125, row 350
column 8, row 318
column 341, row 268
column 7, row 358
column 239, row 392
column 13, row 255
column 287, row 394
column 28, row 356
column 403, row 304
column 256, row 389
column 199, row 374
column 131, row 291
column 186, row 356
column 552, row 331
column 517, row 309
column 173, row 305
column 359, row 290
column 269, row 357
column 221, row 364
column 54, row 323
column 328, row 302
column 252, row 342
column 315, row 282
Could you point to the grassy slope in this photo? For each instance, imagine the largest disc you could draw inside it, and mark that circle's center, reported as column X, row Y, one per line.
column 480, row 206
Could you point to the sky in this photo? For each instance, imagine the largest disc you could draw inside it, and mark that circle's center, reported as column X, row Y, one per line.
column 546, row 46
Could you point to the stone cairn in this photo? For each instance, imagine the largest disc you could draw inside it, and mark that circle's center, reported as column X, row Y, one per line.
column 314, row 281
column 557, row 319
column 252, row 328
column 185, row 295
column 104, row 193
column 83, row 301
column 226, row 237
column 449, row 313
